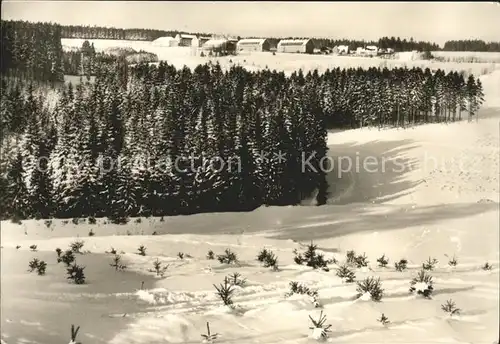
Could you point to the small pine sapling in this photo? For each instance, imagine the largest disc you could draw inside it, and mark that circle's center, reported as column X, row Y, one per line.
column 229, row 257
column 401, row 265
column 346, row 274
column 155, row 233
column 75, row 273
column 261, row 257
column 40, row 269
column 298, row 288
column 117, row 263
column 91, row 233
column 112, row 251
column 18, row 247
column 48, row 223
column 33, row 248
column 75, row 220
column 361, row 261
column 422, row 284
column 487, row 266
column 162, row 219
column 383, row 319
column 382, row 261
column 450, row 307
column 311, row 258
column 142, row 250
column 430, row 264
column 138, row 220
column 210, row 255
column 225, row 292
column 58, row 252
column 67, row 258
column 33, row 264
column 271, row 261
column 209, row 338
column 237, row 280
column 351, row 257
column 158, row 268
column 370, row 285
column 180, row 255
column 74, row 333
column 320, row 331
column 76, row 246
column 453, row 261
column 91, row 220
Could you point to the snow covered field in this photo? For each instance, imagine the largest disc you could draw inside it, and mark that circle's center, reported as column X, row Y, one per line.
column 428, row 191
column 180, row 56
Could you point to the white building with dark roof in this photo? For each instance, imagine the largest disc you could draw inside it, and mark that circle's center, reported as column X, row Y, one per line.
column 185, row 40
column 253, row 44
column 304, row 46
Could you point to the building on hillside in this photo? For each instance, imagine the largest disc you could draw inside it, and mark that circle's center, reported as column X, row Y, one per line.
column 220, row 46
column 343, row 49
column 371, row 50
column 253, row 44
column 304, row 46
column 185, row 40
column 165, row 42
column 203, row 40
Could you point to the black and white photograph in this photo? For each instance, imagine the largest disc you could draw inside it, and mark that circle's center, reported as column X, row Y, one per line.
column 235, row 172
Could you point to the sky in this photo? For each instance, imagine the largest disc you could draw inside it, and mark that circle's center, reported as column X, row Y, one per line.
column 430, row 21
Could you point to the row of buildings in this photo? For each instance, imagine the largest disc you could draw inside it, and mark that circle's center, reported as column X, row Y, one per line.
column 305, row 46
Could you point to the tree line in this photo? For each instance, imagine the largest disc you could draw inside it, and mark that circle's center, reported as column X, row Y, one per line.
column 471, row 45
column 142, row 140
column 31, row 50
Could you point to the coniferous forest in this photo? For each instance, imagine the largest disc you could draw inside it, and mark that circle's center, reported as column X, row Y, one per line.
column 156, row 140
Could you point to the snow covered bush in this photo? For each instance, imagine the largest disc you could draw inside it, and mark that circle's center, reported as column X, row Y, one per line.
column 75, row 273
column 430, row 264
column 209, row 338
column 383, row 319
column 76, row 246
column 370, row 286
column 158, row 268
column 74, row 333
column 229, row 257
column 225, row 292
column 346, row 274
column 422, row 284
column 319, row 330
column 351, row 257
column 48, row 223
column 311, row 258
column 92, row 220
column 210, row 255
column 401, row 265
column 450, row 307
column 268, row 259
column 75, row 220
column 33, row 248
column 236, row 279
column 383, row 261
column 142, row 250
column 117, row 263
